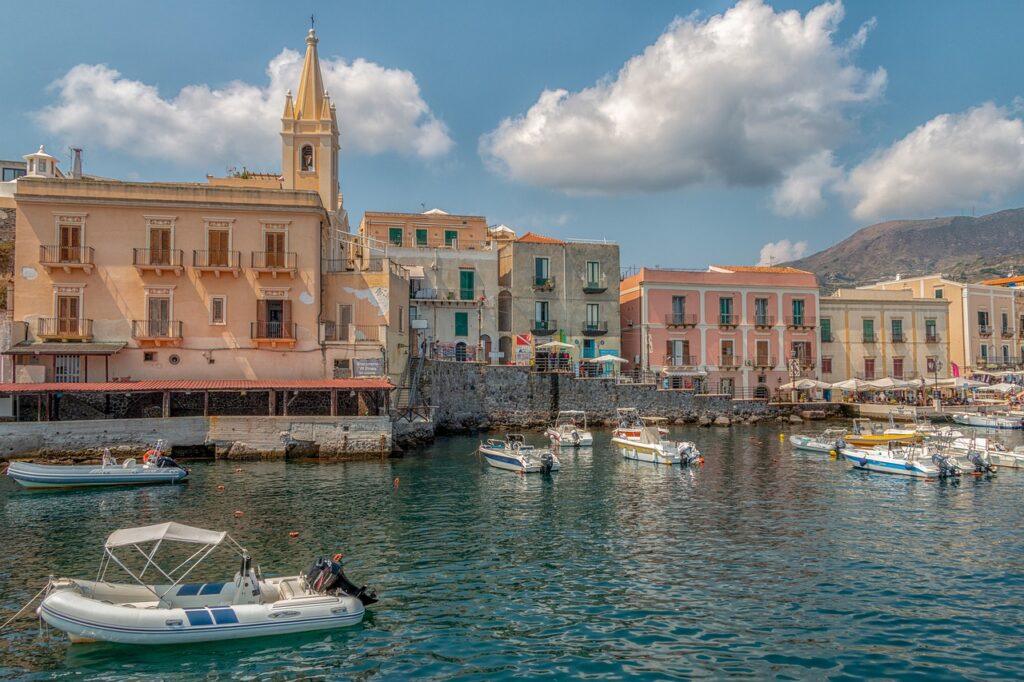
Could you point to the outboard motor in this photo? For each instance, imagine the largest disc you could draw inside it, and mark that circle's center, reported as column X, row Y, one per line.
column 981, row 462
column 575, row 437
column 547, row 462
column 163, row 461
column 687, row 453
column 839, row 444
column 326, row 576
column 945, row 464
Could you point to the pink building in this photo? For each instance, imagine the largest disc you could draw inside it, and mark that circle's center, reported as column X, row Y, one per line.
column 739, row 330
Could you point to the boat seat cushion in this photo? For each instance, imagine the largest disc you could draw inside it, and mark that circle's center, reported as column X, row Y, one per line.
column 142, row 604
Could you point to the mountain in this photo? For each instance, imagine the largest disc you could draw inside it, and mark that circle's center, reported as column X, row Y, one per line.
column 966, row 249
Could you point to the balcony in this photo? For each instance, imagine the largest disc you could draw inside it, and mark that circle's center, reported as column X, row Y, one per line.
column 64, row 329
column 801, row 322
column 869, row 337
column 765, row 362
column 764, row 321
column 543, row 284
column 543, row 327
column 158, row 261
column 596, row 328
column 727, row 320
column 352, row 333
column 273, row 334
column 679, row 360
column 274, row 263
column 729, row 362
column 931, row 338
column 67, row 257
column 1007, row 332
column 898, row 337
column 680, row 320
column 598, row 287
column 826, row 337
column 355, row 264
column 984, row 330
column 446, row 297
column 217, row 262
column 157, row 332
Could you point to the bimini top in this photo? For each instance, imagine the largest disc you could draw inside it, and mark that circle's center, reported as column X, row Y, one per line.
column 174, row 532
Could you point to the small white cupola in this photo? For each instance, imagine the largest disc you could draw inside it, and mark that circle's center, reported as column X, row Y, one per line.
column 40, row 164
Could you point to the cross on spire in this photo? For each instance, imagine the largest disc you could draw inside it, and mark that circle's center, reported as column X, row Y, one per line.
column 312, row 21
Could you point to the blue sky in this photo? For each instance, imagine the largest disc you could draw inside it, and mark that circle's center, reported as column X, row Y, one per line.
column 735, row 125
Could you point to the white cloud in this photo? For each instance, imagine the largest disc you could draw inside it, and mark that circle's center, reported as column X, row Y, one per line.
column 946, row 163
column 739, row 99
column 800, row 193
column 379, row 110
column 781, row 251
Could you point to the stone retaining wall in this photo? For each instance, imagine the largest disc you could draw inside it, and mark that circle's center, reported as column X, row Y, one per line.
column 470, row 396
column 231, row 437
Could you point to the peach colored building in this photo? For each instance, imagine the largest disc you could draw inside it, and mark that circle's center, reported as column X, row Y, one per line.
column 740, row 330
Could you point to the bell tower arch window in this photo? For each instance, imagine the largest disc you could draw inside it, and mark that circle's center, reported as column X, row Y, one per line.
column 306, row 159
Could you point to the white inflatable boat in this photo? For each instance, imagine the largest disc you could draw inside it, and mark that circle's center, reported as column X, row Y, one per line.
column 176, row 611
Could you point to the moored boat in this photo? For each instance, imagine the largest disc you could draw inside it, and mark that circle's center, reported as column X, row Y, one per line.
column 903, row 459
column 866, row 434
column 156, row 467
column 649, row 444
column 513, row 454
column 175, row 612
column 988, row 421
column 570, row 430
column 829, row 440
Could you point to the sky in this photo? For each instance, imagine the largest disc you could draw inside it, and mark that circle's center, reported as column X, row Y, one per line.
column 688, row 132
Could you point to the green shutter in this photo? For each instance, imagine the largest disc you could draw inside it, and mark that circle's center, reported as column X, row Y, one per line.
column 826, row 329
column 451, row 237
column 461, row 324
column 395, row 236
column 467, row 288
column 421, row 236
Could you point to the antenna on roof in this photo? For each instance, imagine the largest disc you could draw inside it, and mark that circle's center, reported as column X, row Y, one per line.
column 423, row 206
column 312, row 21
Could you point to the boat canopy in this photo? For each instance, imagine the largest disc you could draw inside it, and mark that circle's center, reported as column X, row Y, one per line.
column 170, row 531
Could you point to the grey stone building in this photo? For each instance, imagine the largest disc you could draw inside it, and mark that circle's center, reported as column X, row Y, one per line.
column 563, row 291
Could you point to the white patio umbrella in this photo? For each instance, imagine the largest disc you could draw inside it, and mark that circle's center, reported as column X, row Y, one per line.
column 1001, row 388
column 804, row 385
column 887, row 383
column 960, row 382
column 849, row 385
column 607, row 358
column 554, row 345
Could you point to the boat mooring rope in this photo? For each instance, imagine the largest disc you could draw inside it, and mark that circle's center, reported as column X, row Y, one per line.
column 22, row 609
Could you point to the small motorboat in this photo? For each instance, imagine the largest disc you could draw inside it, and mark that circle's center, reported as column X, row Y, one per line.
column 156, row 467
column 903, row 459
column 829, row 440
column 175, row 611
column 978, row 452
column 631, row 424
column 570, row 430
column 988, row 421
column 866, row 434
column 645, row 442
column 513, row 454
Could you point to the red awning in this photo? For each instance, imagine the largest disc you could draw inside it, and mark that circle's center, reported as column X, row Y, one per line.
column 204, row 385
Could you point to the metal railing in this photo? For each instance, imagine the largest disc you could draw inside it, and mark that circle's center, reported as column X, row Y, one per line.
column 595, row 328
column 826, row 337
column 984, row 330
column 351, row 333
column 1007, row 332
column 869, row 338
column 931, row 338
column 353, row 264
column 764, row 321
column 765, row 361
column 679, row 360
column 274, row 260
column 82, row 255
column 727, row 320
column 432, row 294
column 898, row 337
column 800, row 321
column 543, row 327
column 680, row 320
column 156, row 257
column 543, row 283
column 731, row 361
column 229, row 260
column 64, row 327
column 272, row 330
column 595, row 287
column 156, row 329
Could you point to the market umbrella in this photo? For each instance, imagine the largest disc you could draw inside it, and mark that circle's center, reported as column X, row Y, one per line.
column 606, row 358
column 554, row 345
column 849, row 385
column 804, row 385
column 888, row 383
column 1001, row 388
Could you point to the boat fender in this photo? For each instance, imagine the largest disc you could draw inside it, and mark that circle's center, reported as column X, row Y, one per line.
column 863, row 461
column 908, row 465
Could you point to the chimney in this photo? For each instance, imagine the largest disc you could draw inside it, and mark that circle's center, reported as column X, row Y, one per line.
column 76, row 165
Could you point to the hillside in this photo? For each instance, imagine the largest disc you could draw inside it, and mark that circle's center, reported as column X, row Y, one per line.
column 967, row 249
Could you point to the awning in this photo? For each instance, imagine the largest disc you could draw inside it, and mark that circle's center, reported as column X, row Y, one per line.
column 684, row 373
column 174, row 532
column 415, row 271
column 58, row 348
column 154, row 386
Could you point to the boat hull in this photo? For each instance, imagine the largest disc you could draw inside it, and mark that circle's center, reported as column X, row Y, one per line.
column 811, row 445
column 586, row 439
column 85, row 619
column 987, row 422
column 870, row 440
column 57, row 476
column 871, row 461
column 644, row 452
column 512, row 462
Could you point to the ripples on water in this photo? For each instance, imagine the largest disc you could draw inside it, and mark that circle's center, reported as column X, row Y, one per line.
column 762, row 563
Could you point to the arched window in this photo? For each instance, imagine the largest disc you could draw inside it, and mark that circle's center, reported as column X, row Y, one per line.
column 307, row 158
column 504, row 311
column 460, row 351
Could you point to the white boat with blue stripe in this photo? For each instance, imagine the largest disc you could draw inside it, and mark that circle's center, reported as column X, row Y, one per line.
column 156, row 467
column 175, row 611
column 513, row 454
column 904, row 459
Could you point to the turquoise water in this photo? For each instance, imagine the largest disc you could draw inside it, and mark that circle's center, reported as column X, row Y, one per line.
column 763, row 563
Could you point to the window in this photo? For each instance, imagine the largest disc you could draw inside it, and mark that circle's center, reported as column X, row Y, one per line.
column 451, row 239
column 12, row 174
column 342, row 369
column 41, row 165
column 149, row 356
column 1006, row 323
column 504, row 312
column 401, row 319
column 461, row 324
column 395, row 236
column 761, row 312
column 467, row 285
column 593, row 272
column 938, row 292
column 826, row 365
column 421, row 236
column 1006, row 354
column 897, row 368
column 801, row 350
column 541, row 271
column 593, row 315
column 869, row 368
column 218, row 245
column 931, row 334
column 344, row 322
column 678, row 353
column 868, row 326
column 274, row 319
column 159, row 246
column 414, row 312
column 826, row 330
column 307, row 158
column 725, row 310
column 761, row 353
column 798, row 311
column 931, row 366
column 897, row 330
column 984, row 352
column 983, row 319
column 540, row 315
column 728, row 355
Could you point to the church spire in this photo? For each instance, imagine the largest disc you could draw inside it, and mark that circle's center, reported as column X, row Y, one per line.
column 310, row 98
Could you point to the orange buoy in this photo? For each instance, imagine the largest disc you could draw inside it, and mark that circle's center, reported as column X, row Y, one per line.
column 396, row 483
column 238, row 470
column 293, row 534
column 220, row 487
column 238, row 514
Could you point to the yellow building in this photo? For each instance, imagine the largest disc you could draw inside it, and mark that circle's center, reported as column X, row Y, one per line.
column 872, row 334
column 986, row 329
column 125, row 280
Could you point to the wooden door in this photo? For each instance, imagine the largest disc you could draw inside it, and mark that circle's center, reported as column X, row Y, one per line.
column 160, row 246
column 70, row 244
column 217, row 253
column 274, row 247
column 159, row 321
column 67, row 314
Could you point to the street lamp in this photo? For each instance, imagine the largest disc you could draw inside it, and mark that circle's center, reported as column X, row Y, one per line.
column 794, row 372
column 936, row 396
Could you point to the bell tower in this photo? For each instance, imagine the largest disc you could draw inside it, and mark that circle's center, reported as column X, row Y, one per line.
column 309, row 134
